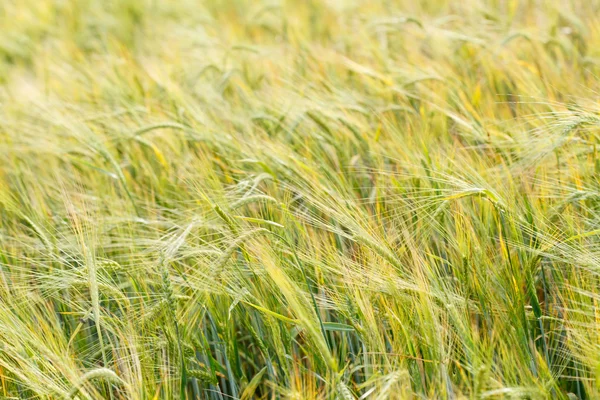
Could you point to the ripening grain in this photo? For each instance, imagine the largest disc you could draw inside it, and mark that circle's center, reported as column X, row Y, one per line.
column 299, row 199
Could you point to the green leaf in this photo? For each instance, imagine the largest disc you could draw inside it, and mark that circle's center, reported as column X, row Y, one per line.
column 336, row 326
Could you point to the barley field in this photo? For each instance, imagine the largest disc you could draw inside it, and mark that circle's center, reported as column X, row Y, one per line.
column 299, row 199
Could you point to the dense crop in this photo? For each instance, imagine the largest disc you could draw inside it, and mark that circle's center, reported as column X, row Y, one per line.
column 336, row 199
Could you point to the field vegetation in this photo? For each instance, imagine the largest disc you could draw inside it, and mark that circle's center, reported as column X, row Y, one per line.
column 299, row 199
